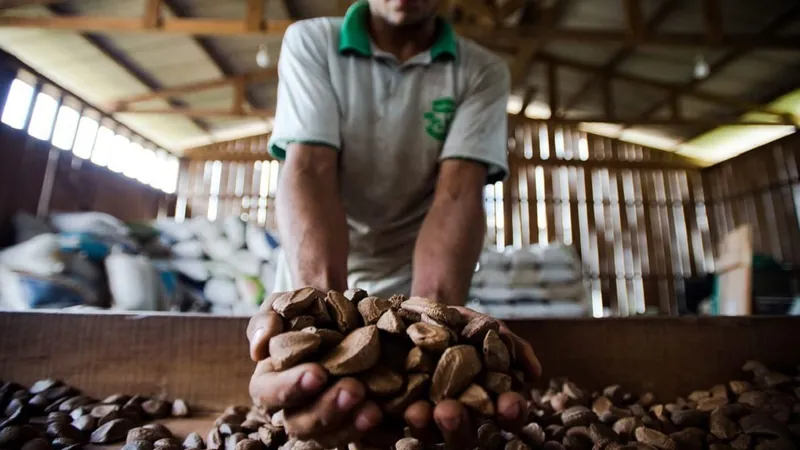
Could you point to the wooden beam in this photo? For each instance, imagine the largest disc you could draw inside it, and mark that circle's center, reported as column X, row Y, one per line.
column 216, row 57
column 519, row 37
column 527, row 53
column 216, row 155
column 672, row 161
column 713, row 21
column 675, row 106
column 255, row 14
column 152, row 14
column 175, row 91
column 8, row 4
column 552, row 89
column 202, row 112
column 240, row 86
column 505, row 37
column 631, row 121
column 193, row 26
column 111, row 51
column 662, row 13
column 680, row 90
column 633, row 11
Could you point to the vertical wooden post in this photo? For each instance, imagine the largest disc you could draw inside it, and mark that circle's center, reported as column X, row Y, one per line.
column 49, row 179
column 240, row 88
column 713, row 21
column 152, row 14
column 633, row 11
column 255, row 15
column 675, row 105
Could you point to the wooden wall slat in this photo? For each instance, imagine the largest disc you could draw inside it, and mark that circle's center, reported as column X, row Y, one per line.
column 639, row 231
column 760, row 188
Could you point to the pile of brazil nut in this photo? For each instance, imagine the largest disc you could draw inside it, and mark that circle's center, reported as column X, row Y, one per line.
column 51, row 415
column 404, row 350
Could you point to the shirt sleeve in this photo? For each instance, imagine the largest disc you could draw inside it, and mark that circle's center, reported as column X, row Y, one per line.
column 307, row 110
column 479, row 130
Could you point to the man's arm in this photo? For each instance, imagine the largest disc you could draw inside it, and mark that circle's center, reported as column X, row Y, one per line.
column 451, row 238
column 311, row 217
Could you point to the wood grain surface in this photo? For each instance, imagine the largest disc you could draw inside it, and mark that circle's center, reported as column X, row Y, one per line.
column 204, row 360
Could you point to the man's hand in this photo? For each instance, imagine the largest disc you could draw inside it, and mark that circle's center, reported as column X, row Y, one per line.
column 339, row 414
column 331, row 415
column 452, row 418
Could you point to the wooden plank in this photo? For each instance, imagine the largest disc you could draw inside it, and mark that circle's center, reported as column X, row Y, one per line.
column 239, row 93
column 508, row 207
column 533, row 204
column 175, row 91
column 712, row 16
column 574, row 208
column 668, row 88
column 784, row 205
column 254, row 15
column 671, row 246
column 516, row 37
column 622, row 263
column 694, row 241
column 552, row 236
column 593, row 243
column 201, row 112
column 633, row 12
column 152, row 14
column 629, row 245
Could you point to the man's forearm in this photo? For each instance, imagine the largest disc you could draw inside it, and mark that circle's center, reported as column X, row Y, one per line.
column 448, row 247
column 312, row 225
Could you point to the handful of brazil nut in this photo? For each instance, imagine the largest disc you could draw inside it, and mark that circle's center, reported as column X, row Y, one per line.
column 403, row 350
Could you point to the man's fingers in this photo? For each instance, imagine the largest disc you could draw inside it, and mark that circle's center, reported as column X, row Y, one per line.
column 366, row 418
column 279, row 390
column 529, row 359
column 331, row 409
column 261, row 328
column 419, row 418
column 524, row 350
column 454, row 422
column 511, row 411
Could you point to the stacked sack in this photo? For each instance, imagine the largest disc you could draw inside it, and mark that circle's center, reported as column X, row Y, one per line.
column 229, row 263
column 94, row 260
column 539, row 280
column 63, row 262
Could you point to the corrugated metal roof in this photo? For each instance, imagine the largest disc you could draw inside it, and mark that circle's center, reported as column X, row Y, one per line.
column 174, row 60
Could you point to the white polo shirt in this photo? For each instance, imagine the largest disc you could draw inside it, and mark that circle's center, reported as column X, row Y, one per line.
column 392, row 123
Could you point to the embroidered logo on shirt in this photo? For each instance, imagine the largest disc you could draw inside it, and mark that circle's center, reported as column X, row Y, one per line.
column 439, row 118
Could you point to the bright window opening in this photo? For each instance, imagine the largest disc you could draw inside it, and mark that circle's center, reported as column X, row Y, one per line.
column 119, row 155
column 102, row 147
column 66, row 125
column 84, row 140
column 134, row 160
column 147, row 163
column 170, row 182
column 17, row 105
column 44, row 111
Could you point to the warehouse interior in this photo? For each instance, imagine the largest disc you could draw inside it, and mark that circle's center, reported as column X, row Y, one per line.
column 642, row 133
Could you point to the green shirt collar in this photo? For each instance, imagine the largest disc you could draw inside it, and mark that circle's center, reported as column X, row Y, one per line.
column 354, row 36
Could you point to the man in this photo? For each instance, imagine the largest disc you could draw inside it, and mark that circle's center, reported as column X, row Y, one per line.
column 390, row 125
